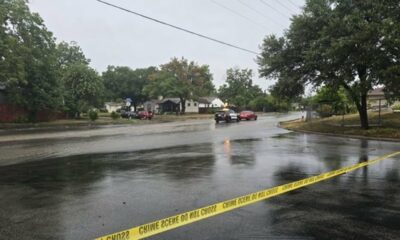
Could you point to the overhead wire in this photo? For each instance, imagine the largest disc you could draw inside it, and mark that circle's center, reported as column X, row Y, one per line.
column 276, row 10
column 176, row 27
column 284, row 6
column 292, row 3
column 239, row 14
column 260, row 13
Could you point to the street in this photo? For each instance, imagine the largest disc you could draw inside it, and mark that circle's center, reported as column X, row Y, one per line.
column 89, row 183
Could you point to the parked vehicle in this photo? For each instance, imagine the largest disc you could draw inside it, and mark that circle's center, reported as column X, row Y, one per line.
column 128, row 114
column 248, row 115
column 145, row 115
column 226, row 115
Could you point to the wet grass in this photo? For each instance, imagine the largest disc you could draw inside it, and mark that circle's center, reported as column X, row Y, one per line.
column 350, row 125
column 104, row 119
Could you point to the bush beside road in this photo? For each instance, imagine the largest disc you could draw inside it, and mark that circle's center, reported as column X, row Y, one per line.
column 389, row 129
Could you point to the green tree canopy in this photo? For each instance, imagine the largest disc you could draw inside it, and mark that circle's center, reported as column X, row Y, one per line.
column 183, row 79
column 84, row 88
column 28, row 67
column 123, row 82
column 238, row 88
column 353, row 44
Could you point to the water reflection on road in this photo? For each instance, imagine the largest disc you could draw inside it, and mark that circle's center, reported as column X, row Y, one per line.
column 81, row 187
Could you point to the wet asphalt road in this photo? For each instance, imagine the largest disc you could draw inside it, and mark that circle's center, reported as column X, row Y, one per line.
column 81, row 185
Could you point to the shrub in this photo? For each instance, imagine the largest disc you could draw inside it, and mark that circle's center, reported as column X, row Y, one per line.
column 114, row 115
column 396, row 107
column 93, row 114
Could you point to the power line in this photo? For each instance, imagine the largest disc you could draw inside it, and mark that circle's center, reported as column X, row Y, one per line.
column 176, row 27
column 284, row 6
column 295, row 5
column 237, row 13
column 267, row 4
column 260, row 13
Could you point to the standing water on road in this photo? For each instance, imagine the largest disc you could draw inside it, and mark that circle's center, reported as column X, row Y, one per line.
column 84, row 184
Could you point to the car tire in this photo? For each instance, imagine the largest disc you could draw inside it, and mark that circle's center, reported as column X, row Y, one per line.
column 216, row 121
column 255, row 119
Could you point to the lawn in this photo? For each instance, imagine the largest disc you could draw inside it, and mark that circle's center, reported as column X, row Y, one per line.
column 104, row 119
column 350, row 125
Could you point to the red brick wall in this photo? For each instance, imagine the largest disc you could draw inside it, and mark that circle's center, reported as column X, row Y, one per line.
column 10, row 113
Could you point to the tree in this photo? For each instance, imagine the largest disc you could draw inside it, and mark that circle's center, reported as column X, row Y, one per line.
column 27, row 59
column 334, row 100
column 70, row 54
column 183, row 79
column 84, row 88
column 123, row 82
column 352, row 44
column 238, row 88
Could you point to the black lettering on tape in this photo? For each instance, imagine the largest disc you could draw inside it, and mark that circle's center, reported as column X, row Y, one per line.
column 229, row 204
column 194, row 214
column 149, row 228
column 208, row 210
column 169, row 221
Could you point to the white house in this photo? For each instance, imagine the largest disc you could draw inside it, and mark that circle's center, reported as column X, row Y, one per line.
column 112, row 106
column 210, row 102
column 192, row 106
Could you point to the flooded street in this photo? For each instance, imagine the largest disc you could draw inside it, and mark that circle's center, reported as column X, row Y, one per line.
column 85, row 184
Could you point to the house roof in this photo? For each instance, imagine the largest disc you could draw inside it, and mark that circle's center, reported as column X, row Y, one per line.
column 207, row 99
column 376, row 93
column 174, row 100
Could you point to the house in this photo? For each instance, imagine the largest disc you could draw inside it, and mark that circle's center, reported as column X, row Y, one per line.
column 376, row 98
column 192, row 106
column 112, row 106
column 207, row 103
column 174, row 105
column 170, row 105
column 152, row 105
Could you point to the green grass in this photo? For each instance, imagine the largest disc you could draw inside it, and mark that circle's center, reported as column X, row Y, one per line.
column 104, row 119
column 389, row 127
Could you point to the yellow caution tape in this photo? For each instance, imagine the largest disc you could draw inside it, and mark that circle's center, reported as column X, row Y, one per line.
column 156, row 227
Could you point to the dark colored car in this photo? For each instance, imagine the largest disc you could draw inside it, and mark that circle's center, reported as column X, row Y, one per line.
column 128, row 114
column 248, row 115
column 145, row 115
column 226, row 116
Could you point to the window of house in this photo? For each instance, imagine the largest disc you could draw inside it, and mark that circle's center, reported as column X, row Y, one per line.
column 195, row 104
column 188, row 104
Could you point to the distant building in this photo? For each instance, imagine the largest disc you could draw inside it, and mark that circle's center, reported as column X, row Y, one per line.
column 174, row 105
column 207, row 103
column 112, row 106
column 377, row 97
column 152, row 105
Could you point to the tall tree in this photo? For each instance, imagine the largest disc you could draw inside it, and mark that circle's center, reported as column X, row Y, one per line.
column 238, row 88
column 123, row 82
column 84, row 88
column 27, row 59
column 353, row 44
column 183, row 79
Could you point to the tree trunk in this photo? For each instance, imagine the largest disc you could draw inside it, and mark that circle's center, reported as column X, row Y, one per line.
column 361, row 104
column 183, row 104
column 362, row 111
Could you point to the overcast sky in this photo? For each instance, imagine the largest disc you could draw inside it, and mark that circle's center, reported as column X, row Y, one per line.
column 109, row 36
